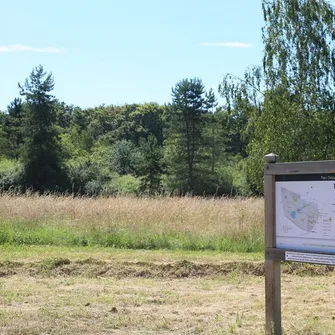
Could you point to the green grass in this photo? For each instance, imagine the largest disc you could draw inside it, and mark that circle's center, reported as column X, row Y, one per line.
column 149, row 239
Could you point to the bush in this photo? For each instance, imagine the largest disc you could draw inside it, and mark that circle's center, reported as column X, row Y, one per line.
column 11, row 175
column 127, row 185
column 87, row 177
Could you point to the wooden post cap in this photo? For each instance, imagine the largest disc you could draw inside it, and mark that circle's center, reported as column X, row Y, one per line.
column 271, row 158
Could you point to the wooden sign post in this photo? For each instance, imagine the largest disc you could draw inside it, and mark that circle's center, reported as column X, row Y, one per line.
column 272, row 267
column 299, row 223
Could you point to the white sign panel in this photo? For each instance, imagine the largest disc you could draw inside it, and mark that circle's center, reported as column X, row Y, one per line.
column 305, row 212
column 310, row 258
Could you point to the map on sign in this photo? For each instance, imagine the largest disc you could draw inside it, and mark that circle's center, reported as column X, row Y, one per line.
column 305, row 212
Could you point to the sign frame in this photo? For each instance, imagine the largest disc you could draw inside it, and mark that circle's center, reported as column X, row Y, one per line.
column 274, row 255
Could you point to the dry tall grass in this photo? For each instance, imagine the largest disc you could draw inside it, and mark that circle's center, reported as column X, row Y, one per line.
column 206, row 217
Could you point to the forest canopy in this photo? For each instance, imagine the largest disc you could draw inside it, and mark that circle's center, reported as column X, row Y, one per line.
column 192, row 145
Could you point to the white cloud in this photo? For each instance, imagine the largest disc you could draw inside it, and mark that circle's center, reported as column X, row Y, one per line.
column 227, row 44
column 28, row 48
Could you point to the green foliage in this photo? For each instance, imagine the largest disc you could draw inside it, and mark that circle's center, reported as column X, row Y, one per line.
column 85, row 177
column 123, row 157
column 10, row 175
column 288, row 108
column 3, row 142
column 93, row 174
column 149, row 165
column 8, row 165
column 90, row 173
column 298, row 109
column 191, row 146
column 13, row 128
column 75, row 143
column 299, row 40
column 149, row 121
column 185, row 142
column 127, row 185
column 109, row 150
column 42, row 157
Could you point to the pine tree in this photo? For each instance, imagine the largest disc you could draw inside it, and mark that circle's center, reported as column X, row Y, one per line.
column 42, row 156
column 13, row 128
column 185, row 145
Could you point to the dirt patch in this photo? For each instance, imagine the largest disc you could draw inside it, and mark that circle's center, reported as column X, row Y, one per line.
column 182, row 269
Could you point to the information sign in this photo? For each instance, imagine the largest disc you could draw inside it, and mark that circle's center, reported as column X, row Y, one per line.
column 305, row 212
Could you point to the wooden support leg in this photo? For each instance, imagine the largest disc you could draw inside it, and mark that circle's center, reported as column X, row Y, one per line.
column 272, row 298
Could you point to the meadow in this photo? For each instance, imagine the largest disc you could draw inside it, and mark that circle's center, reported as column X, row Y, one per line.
column 147, row 266
column 188, row 223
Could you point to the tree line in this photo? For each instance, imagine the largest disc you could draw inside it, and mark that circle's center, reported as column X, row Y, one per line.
column 178, row 148
column 191, row 145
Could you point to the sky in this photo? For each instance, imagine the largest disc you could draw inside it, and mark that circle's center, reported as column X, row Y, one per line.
column 126, row 51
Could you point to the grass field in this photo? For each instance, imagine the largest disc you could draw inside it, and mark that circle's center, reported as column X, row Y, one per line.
column 52, row 284
column 59, row 290
column 133, row 223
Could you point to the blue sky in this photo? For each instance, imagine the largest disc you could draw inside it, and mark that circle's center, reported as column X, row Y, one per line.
column 126, row 51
